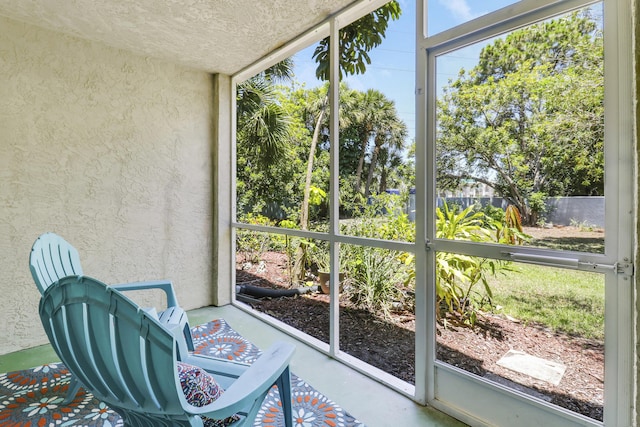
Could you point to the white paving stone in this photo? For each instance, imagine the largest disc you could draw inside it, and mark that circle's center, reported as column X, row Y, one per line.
column 536, row 367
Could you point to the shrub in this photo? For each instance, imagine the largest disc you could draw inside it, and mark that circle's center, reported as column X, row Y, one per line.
column 509, row 231
column 494, row 213
column 457, row 275
column 374, row 277
column 538, row 204
column 461, row 225
column 252, row 244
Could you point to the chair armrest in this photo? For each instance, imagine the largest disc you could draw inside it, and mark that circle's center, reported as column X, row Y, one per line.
column 254, row 382
column 217, row 366
column 164, row 285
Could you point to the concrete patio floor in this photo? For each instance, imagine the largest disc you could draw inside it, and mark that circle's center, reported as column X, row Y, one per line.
column 369, row 401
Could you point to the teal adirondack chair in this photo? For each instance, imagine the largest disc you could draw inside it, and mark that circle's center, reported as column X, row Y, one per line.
column 53, row 258
column 127, row 359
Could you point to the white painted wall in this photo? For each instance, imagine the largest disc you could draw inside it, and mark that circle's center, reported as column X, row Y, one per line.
column 110, row 150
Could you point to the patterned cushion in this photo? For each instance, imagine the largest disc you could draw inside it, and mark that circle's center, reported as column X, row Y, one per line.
column 200, row 389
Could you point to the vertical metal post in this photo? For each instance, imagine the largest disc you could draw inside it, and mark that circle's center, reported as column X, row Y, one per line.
column 223, row 189
column 334, row 138
column 423, row 264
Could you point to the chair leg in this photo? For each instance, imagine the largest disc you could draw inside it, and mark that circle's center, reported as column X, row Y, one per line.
column 74, row 387
column 284, row 389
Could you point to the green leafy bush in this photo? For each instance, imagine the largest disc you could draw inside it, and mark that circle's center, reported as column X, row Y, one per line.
column 374, row 278
column 458, row 275
column 377, row 279
column 252, row 244
column 494, row 213
column 538, row 204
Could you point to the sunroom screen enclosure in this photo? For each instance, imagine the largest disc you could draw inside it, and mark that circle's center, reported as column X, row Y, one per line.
column 568, row 122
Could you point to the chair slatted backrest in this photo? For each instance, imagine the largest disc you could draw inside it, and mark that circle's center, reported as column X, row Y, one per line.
column 126, row 358
column 51, row 259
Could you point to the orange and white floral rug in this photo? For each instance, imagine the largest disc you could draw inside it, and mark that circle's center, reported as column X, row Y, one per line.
column 33, row 397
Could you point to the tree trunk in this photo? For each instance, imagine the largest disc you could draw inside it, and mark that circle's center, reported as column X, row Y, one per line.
column 304, row 209
column 374, row 160
column 301, row 252
column 382, row 187
column 363, row 152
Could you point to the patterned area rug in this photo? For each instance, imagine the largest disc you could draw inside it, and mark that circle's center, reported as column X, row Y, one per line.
column 33, row 397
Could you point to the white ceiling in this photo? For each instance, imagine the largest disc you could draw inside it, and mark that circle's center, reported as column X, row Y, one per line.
column 218, row 36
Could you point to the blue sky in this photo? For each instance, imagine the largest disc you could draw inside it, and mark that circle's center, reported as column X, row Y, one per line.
column 393, row 62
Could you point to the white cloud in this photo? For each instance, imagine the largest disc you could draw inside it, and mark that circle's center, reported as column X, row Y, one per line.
column 459, row 8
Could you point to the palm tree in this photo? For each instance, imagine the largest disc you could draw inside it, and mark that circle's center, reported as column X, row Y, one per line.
column 317, row 109
column 355, row 40
column 390, row 135
column 263, row 125
column 377, row 121
column 391, row 164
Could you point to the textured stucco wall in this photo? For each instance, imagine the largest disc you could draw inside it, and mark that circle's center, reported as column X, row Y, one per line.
column 636, row 243
column 113, row 152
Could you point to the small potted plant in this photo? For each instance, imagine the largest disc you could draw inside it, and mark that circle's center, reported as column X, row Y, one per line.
column 323, row 265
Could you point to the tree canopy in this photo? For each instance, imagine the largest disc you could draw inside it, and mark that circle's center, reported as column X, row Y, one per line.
column 271, row 141
column 263, row 125
column 281, row 181
column 356, row 41
column 528, row 119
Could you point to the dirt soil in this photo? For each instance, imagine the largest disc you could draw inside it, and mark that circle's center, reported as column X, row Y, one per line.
column 389, row 344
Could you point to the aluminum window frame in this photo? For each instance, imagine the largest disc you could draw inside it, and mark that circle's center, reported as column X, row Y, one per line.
column 431, row 377
column 448, row 388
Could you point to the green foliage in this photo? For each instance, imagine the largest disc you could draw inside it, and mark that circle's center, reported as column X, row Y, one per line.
column 458, row 275
column 356, row 40
column 350, row 200
column 285, row 223
column 376, row 133
column 276, row 188
column 273, row 188
column 461, row 225
column 507, row 225
column 494, row 213
column 317, row 196
column 529, row 118
column 374, row 278
column 252, row 244
column 263, row 124
column 456, row 278
column 270, row 177
column 398, row 227
column 382, row 218
column 380, row 278
column 538, row 205
column 509, row 230
column 290, row 245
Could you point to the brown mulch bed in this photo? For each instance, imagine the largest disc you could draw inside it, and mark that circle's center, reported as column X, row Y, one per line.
column 389, row 344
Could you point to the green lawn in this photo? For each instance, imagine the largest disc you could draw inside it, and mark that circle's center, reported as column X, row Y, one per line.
column 563, row 300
